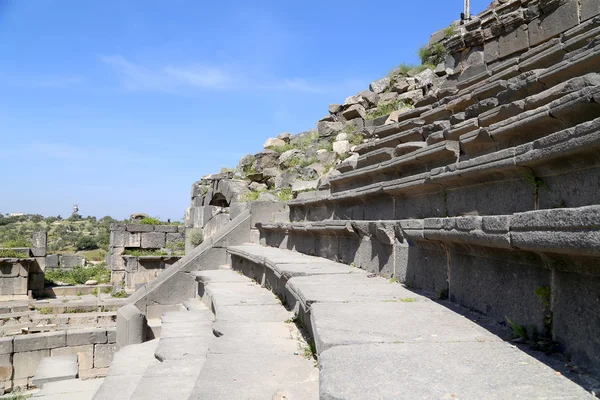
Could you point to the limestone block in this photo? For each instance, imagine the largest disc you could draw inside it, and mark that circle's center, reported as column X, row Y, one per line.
column 589, row 8
column 327, row 129
column 68, row 261
column 39, row 341
column 153, row 240
column 139, row 228
column 341, row 147
column 85, row 354
column 25, row 363
column 561, row 19
column 380, row 85
column 491, row 51
column 132, row 239
column 80, row 337
column 354, row 111
column 52, row 261
column 512, row 42
column 116, row 262
column 111, row 335
column 273, row 142
column 117, row 239
column 117, row 278
column 103, row 354
column 165, row 228
column 10, row 270
column 40, row 240
column 131, row 264
column 6, row 367
column 6, row 345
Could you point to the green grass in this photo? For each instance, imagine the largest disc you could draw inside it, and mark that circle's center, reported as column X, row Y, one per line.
column 78, row 275
column 450, row 31
column 432, row 55
column 386, row 109
column 356, row 138
column 250, row 197
column 45, row 310
column 518, row 331
column 10, row 253
column 283, row 149
column 19, row 242
column 285, row 194
column 120, row 295
column 141, row 252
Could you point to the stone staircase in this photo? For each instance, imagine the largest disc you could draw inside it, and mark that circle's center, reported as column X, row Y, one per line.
column 373, row 338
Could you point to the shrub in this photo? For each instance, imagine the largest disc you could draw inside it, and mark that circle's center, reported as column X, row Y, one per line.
column 450, row 31
column 18, row 242
column 196, row 237
column 249, row 197
column 150, row 221
column 432, row 55
column 86, row 243
column 10, row 253
column 78, row 275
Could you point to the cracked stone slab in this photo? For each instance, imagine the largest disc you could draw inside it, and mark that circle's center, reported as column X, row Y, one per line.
column 486, row 370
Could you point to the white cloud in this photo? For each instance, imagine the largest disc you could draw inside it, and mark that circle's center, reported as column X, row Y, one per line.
column 176, row 79
column 170, row 78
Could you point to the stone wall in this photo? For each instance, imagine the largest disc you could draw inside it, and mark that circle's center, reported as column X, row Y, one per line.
column 487, row 191
column 133, row 272
column 20, row 275
column 21, row 355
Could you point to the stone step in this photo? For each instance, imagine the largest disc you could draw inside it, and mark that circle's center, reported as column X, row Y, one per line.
column 367, row 330
column 126, row 371
column 71, row 389
column 56, row 368
column 252, row 329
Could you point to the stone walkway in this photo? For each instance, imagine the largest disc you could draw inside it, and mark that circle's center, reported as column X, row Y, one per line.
column 374, row 339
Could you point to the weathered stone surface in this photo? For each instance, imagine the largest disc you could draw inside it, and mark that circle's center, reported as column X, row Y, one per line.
column 25, row 363
column 6, row 345
column 57, row 368
column 131, row 326
column 303, row 186
column 103, row 354
column 6, row 367
column 559, row 20
column 354, row 111
column 85, row 336
column 273, row 142
column 379, row 86
column 39, row 341
column 39, row 241
column 153, row 240
column 589, row 9
column 266, row 159
column 327, row 129
column 499, row 370
column 68, row 261
column 341, row 147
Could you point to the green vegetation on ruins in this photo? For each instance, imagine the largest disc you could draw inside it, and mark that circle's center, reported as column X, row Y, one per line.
column 11, row 253
column 78, row 275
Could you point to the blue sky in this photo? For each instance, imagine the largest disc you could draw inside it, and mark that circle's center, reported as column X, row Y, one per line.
column 120, row 105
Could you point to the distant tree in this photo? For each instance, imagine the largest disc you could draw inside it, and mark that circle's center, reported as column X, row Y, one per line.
column 74, row 217
column 51, row 220
column 35, row 218
column 86, row 243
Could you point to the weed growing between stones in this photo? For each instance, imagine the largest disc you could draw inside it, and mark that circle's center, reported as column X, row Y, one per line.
column 393, row 280
column 141, row 253
column 433, row 55
column 518, row 331
column 450, row 31
column 45, row 310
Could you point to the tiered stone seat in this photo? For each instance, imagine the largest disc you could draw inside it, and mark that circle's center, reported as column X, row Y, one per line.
column 367, row 330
